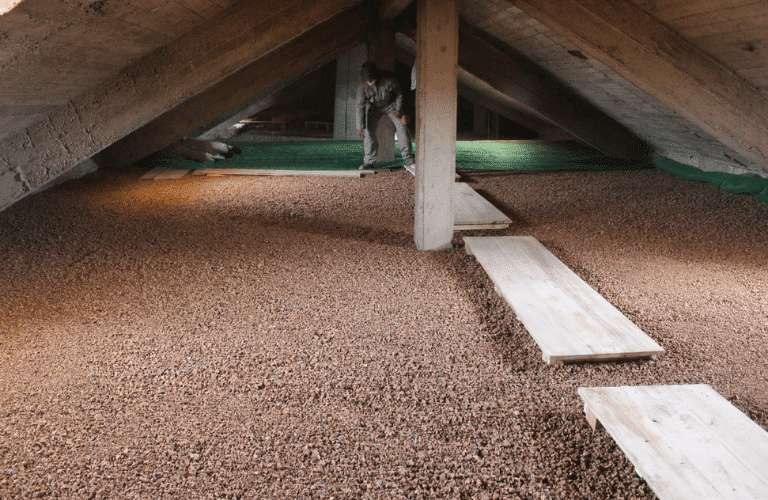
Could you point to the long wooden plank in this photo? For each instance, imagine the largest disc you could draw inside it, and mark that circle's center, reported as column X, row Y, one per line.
column 472, row 211
column 686, row 441
column 569, row 321
column 295, row 173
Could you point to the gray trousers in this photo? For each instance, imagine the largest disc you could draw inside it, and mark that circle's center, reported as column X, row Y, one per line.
column 372, row 145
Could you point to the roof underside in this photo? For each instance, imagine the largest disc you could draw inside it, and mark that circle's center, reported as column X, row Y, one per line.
column 688, row 77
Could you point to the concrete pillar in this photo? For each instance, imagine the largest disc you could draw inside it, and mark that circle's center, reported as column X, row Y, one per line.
column 347, row 78
column 437, row 41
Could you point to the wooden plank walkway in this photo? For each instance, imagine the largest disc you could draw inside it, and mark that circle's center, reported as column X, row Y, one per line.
column 160, row 173
column 307, row 173
column 569, row 321
column 686, row 441
column 472, row 211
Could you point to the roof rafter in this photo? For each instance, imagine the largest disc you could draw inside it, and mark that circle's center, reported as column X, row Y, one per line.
column 245, row 92
column 526, row 83
column 660, row 62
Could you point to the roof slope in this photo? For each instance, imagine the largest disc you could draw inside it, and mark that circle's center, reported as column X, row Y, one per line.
column 688, row 77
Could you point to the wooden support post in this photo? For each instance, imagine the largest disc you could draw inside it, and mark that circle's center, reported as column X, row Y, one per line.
column 436, row 94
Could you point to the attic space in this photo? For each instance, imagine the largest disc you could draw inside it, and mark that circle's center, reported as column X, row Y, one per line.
column 572, row 260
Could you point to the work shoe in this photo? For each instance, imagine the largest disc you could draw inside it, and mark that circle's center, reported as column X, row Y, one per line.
column 367, row 166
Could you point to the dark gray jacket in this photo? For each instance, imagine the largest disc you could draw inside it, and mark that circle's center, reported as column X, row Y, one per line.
column 385, row 94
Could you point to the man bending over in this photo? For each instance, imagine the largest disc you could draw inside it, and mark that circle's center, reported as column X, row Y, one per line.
column 379, row 93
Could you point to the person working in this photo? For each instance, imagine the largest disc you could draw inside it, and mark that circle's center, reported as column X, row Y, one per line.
column 379, row 93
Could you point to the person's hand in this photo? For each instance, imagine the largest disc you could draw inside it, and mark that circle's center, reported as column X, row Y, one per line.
column 397, row 114
column 360, row 133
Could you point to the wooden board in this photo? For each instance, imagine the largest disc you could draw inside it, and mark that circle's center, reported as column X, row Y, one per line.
column 160, row 173
column 472, row 211
column 686, row 441
column 309, row 173
column 569, row 321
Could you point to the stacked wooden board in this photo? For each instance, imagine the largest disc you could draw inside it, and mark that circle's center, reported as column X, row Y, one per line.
column 569, row 321
column 686, row 441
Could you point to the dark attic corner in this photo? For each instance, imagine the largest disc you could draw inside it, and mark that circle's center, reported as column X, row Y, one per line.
column 461, row 249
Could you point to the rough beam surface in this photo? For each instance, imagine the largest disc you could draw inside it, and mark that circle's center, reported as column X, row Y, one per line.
column 155, row 83
column 524, row 82
column 661, row 63
column 240, row 93
column 436, row 97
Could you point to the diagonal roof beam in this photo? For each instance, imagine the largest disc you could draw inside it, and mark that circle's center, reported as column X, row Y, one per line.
column 166, row 77
column 664, row 65
column 476, row 90
column 245, row 92
column 527, row 84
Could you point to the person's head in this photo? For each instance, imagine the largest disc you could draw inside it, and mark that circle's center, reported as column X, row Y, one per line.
column 369, row 72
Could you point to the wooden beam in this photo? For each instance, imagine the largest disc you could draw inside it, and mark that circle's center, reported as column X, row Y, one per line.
column 436, row 96
column 479, row 93
column 390, row 9
column 535, row 89
column 166, row 77
column 242, row 91
column 476, row 90
column 657, row 60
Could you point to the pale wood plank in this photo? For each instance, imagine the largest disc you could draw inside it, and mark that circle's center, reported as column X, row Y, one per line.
column 152, row 173
column 740, row 441
column 685, row 441
column 569, row 321
column 171, row 173
column 298, row 173
column 161, row 173
column 472, row 211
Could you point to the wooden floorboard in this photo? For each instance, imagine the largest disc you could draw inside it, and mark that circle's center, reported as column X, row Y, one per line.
column 686, row 441
column 472, row 211
column 569, row 321
column 160, row 173
column 303, row 173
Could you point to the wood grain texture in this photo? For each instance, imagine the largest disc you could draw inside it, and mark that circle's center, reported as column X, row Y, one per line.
column 436, row 97
column 241, row 90
column 663, row 64
column 472, row 211
column 686, row 441
column 533, row 88
column 569, row 321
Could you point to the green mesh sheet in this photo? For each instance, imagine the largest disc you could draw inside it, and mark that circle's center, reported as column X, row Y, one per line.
column 348, row 155
column 751, row 184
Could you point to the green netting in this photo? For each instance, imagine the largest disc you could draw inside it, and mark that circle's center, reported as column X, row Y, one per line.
column 348, row 155
column 536, row 155
column 751, row 184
